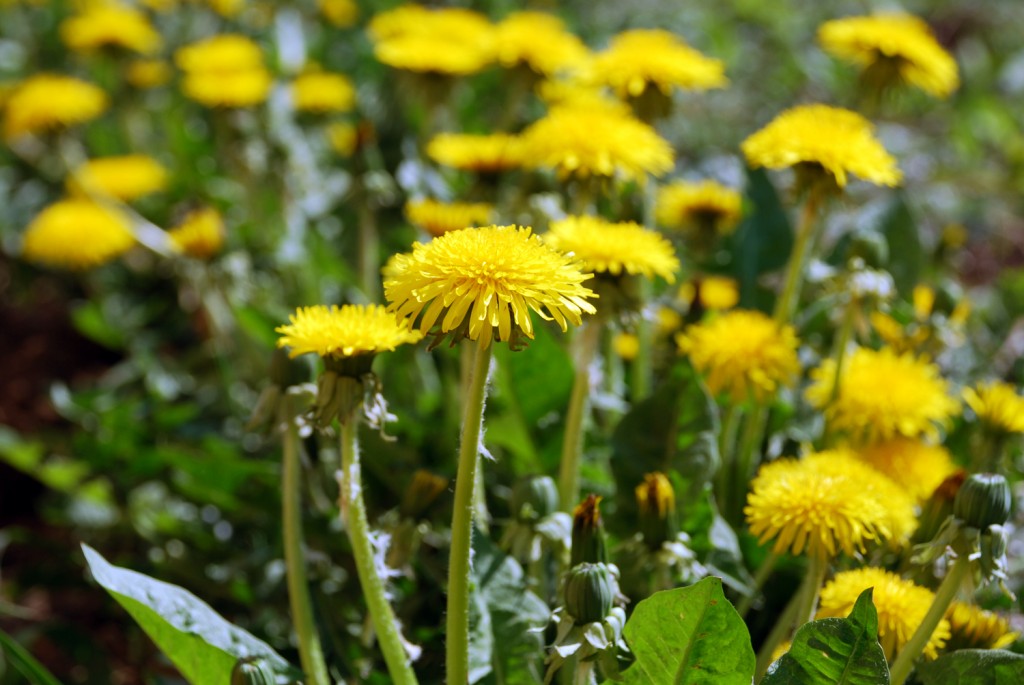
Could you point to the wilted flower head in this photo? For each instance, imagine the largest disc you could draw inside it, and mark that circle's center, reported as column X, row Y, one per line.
column 46, row 102
column 882, row 395
column 997, row 405
column 916, row 466
column 346, row 331
column 224, row 71
column 743, row 353
column 478, row 282
column 438, row 218
column 451, row 41
column 125, row 177
column 103, row 25
column 614, row 248
column 539, row 41
column 899, row 47
column 77, row 234
column 200, row 234
column 484, row 154
column 705, row 206
column 321, row 91
column 837, row 140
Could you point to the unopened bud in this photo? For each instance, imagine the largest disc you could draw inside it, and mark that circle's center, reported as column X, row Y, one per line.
column 983, row 500
column 533, row 498
column 590, row 591
column 656, row 501
column 588, row 533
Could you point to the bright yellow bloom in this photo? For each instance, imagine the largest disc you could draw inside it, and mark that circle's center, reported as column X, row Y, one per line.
column 319, row 91
column 148, row 73
column 916, row 466
column 898, row 43
column 346, row 331
column 641, row 58
column 200, row 234
column 340, row 13
column 882, row 395
column 45, row 102
column 705, row 204
column 974, row 628
column 226, row 8
column 224, row 71
column 103, row 25
column 901, row 607
column 438, row 218
column 713, row 292
column 343, row 137
column 539, row 41
column 839, row 141
column 626, row 345
column 826, row 503
column 77, row 234
column 742, row 353
column 573, row 92
column 478, row 282
column 583, row 142
column 125, row 177
column 451, row 41
column 997, row 405
column 485, row 154
column 614, row 248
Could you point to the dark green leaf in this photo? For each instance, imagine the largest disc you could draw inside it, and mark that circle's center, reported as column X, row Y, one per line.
column 900, row 230
column 764, row 239
column 194, row 637
column 973, row 667
column 25, row 663
column 690, row 635
column 835, row 651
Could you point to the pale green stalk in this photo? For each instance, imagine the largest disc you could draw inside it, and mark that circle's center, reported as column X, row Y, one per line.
column 806, row 232
column 763, row 573
column 817, row 568
column 588, row 338
column 783, row 627
column 726, row 453
column 750, row 442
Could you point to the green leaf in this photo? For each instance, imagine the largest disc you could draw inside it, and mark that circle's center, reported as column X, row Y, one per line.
column 835, row 651
column 25, row 663
column 690, row 635
column 88, row 319
column 763, row 240
column 907, row 257
column 973, row 667
column 194, row 637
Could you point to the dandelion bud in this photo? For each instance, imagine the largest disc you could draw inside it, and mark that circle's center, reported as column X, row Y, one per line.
column 656, row 501
column 938, row 507
column 983, row 500
column 252, row 671
column 421, row 493
column 533, row 498
column 588, row 533
column 590, row 591
column 871, row 247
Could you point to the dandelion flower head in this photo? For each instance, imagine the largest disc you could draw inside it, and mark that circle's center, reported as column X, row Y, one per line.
column 538, row 40
column 901, row 607
column 347, row 331
column 826, row 503
column 125, row 177
column 479, row 282
column 321, row 91
column 839, row 141
column 105, row 25
column 975, row 628
column 614, row 248
column 742, row 353
column 656, row 495
column 200, row 234
column 343, row 137
column 883, row 394
column 572, row 91
column 148, row 73
column 77, row 234
column 450, row 41
column 710, row 292
column 438, row 218
column 339, row 13
column 915, row 465
column 224, row 71
column 226, row 8
column 901, row 42
column 46, row 102
column 997, row 405
column 485, row 154
column 682, row 205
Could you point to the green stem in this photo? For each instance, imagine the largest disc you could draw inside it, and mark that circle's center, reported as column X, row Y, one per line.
column 584, row 673
column 642, row 368
column 842, row 342
column 310, row 652
column 369, row 249
column 805, row 234
column 457, row 647
column 370, row 579
column 943, row 598
column 763, row 573
column 809, row 590
column 588, row 338
column 750, row 441
column 783, row 627
column 726, row 453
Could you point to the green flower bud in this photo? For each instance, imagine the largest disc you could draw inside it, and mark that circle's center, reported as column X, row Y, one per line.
column 983, row 500
column 588, row 533
column 252, row 670
column 590, row 590
column 533, row 498
column 871, row 247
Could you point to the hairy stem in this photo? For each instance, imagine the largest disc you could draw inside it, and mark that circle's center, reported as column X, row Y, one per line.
column 588, row 337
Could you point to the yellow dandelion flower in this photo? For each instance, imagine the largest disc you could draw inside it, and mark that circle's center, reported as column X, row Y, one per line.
column 347, row 331
column 901, row 607
column 586, row 142
column 614, row 248
column 339, row 13
column 438, row 218
column 224, row 71
column 997, row 405
column 538, row 40
column 343, row 137
column 104, row 25
column 713, row 293
column 653, row 58
column 667, row 320
column 478, row 282
column 226, row 8
column 484, row 154
column 975, row 628
column 77, row 234
column 318, row 91
column 574, row 92
column 824, row 504
column 897, row 44
column 125, row 177
column 916, row 466
column 882, row 395
column 703, row 205
column 148, row 73
column 46, row 102
column 837, row 140
column 742, row 353
column 200, row 234
column 450, row 41
column 626, row 345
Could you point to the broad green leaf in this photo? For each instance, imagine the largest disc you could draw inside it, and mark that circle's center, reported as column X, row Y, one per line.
column 689, row 636
column 23, row 662
column 835, row 651
column 763, row 240
column 907, row 257
column 973, row 667
column 194, row 637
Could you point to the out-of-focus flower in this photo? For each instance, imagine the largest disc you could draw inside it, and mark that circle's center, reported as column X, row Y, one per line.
column 46, row 102
column 346, row 331
column 77, row 234
column 711, row 292
column 836, row 140
column 224, row 71
column 320, row 91
column 340, row 13
column 974, row 628
column 915, row 465
column 614, row 248
column 200, row 234
column 104, row 25
column 451, row 41
column 480, row 282
column 438, row 218
column 997, row 405
column 148, row 73
column 893, row 47
column 742, row 353
column 573, row 92
column 125, row 177
column 226, row 8
column 539, row 41
column 343, row 137
column 626, row 345
column 704, row 207
column 915, row 400
column 484, row 154
column 901, row 607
